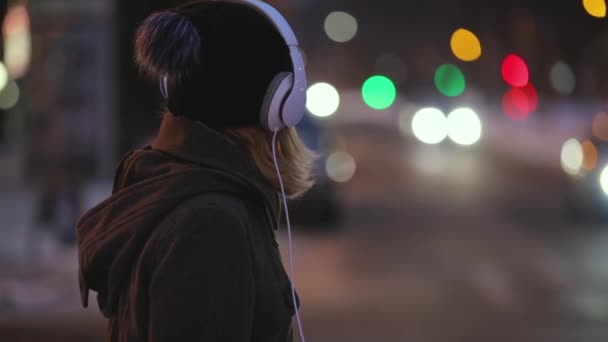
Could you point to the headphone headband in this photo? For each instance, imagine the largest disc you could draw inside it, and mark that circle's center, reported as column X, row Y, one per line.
column 288, row 108
column 296, row 99
column 272, row 15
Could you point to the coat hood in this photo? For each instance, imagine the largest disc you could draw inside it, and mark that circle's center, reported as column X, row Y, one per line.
column 186, row 160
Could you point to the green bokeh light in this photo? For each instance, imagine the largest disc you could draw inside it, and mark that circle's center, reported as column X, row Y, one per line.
column 449, row 80
column 379, row 92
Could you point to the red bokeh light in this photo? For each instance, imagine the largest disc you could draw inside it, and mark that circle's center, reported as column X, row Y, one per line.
column 514, row 104
column 515, row 71
column 518, row 103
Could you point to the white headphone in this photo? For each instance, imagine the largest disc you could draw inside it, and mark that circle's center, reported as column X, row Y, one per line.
column 285, row 102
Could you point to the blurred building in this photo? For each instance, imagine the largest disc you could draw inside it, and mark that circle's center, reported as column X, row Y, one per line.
column 64, row 124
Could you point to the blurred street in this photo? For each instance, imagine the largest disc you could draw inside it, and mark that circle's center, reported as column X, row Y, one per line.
column 477, row 283
column 409, row 262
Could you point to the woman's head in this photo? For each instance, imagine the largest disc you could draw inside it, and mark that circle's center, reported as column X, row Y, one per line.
column 219, row 59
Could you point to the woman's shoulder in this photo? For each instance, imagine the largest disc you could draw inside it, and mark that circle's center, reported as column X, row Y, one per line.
column 209, row 215
column 201, row 221
column 216, row 202
column 210, row 208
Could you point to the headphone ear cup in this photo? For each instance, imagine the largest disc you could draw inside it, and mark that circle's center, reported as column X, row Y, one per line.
column 271, row 115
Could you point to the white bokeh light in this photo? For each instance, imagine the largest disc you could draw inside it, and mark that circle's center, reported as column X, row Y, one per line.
column 17, row 40
column 572, row 156
column 322, row 100
column 430, row 125
column 604, row 180
column 9, row 96
column 340, row 167
column 562, row 78
column 3, row 76
column 340, row 27
column 464, row 126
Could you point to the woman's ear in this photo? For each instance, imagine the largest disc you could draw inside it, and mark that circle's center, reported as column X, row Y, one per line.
column 167, row 43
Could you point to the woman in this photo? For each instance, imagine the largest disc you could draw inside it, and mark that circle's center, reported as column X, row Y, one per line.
column 184, row 249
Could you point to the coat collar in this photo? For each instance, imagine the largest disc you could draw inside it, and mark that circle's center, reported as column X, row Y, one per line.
column 198, row 144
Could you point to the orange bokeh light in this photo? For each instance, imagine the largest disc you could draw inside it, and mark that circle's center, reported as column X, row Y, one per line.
column 590, row 155
column 600, row 126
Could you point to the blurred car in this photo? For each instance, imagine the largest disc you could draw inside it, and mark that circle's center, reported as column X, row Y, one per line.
column 587, row 195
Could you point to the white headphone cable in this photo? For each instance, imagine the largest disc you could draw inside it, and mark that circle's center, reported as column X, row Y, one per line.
column 164, row 87
column 293, row 280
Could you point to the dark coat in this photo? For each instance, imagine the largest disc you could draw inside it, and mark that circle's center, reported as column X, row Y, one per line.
column 184, row 249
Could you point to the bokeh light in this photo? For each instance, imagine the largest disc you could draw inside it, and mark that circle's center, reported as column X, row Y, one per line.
column 515, row 71
column 322, row 100
column 9, row 96
column 17, row 41
column 341, row 27
column 532, row 97
column 379, row 92
column 514, row 104
column 392, row 66
column 572, row 157
column 590, row 155
column 465, row 45
column 430, row 125
column 340, row 167
column 595, row 8
column 464, row 126
column 600, row 126
column 604, row 180
column 518, row 103
column 449, row 80
column 3, row 76
column 562, row 78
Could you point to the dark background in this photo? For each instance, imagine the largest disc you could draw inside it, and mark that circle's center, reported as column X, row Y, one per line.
column 489, row 242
